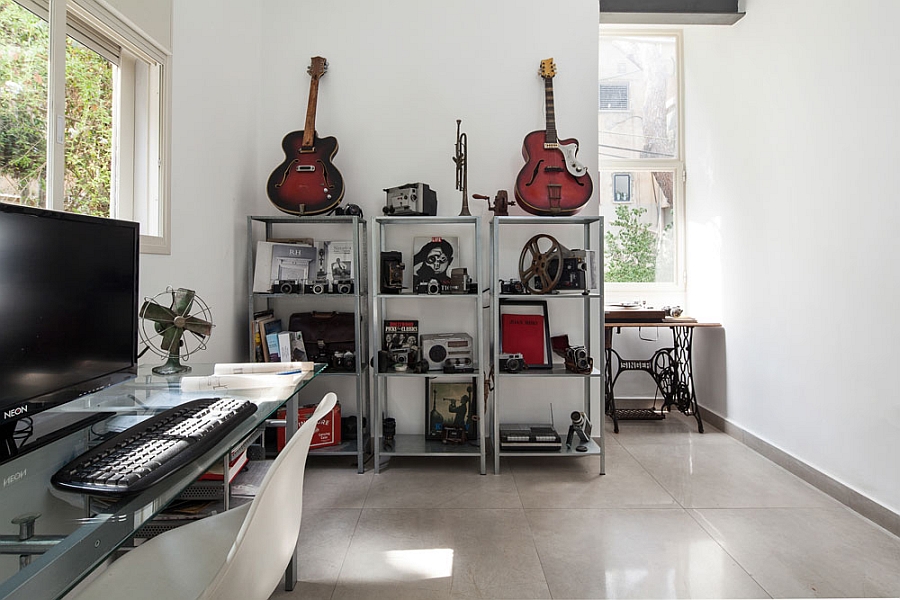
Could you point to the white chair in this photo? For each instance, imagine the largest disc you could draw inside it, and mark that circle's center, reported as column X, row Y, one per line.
column 240, row 554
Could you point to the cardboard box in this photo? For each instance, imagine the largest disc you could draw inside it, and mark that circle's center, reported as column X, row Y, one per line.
column 328, row 430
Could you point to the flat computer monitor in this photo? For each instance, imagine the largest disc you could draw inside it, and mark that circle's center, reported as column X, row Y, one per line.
column 68, row 315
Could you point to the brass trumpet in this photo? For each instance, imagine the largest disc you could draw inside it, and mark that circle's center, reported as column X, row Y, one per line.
column 462, row 171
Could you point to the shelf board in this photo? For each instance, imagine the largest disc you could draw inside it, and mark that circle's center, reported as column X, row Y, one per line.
column 569, row 295
column 558, row 370
column 474, row 373
column 593, row 450
column 417, row 445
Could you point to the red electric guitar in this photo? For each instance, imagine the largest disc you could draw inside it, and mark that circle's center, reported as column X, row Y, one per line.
column 552, row 182
column 307, row 183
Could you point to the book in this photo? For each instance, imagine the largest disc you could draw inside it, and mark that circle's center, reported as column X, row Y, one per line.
column 292, row 262
column 272, row 347
column 432, row 261
column 252, row 368
column 400, row 334
column 524, row 334
column 267, row 326
column 290, row 346
column 338, row 257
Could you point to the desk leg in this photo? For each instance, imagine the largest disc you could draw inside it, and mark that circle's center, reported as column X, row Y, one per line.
column 610, row 393
column 290, row 428
column 684, row 395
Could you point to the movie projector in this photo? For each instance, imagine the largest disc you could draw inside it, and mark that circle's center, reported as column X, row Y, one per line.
column 166, row 319
column 546, row 266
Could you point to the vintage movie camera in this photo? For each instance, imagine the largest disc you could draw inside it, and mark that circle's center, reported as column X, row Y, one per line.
column 392, row 268
column 342, row 286
column 286, row 286
column 581, row 427
column 557, row 268
column 410, row 199
column 511, row 362
column 315, row 286
column 513, row 286
column 461, row 283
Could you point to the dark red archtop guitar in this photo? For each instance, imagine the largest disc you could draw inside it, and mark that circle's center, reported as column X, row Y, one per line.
column 552, row 182
column 307, row 183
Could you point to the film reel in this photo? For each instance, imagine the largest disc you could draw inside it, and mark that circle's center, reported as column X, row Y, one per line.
column 543, row 265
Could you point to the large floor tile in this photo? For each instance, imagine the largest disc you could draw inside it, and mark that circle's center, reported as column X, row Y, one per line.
column 439, row 552
column 792, row 552
column 634, row 553
column 574, row 483
column 412, row 482
column 725, row 476
column 334, row 482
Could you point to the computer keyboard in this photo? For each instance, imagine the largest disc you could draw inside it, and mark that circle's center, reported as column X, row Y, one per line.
column 141, row 455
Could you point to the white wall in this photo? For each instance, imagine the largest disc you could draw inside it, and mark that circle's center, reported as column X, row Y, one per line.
column 791, row 145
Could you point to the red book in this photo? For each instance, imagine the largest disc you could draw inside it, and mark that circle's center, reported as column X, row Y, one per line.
column 524, row 334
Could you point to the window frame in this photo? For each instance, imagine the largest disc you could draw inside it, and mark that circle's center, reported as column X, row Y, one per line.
column 675, row 165
column 141, row 120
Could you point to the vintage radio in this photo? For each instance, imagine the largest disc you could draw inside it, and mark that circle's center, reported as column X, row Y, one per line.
column 411, row 199
column 437, row 348
column 529, row 437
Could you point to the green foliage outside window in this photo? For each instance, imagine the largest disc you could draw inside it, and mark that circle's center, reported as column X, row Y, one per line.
column 24, row 47
column 631, row 248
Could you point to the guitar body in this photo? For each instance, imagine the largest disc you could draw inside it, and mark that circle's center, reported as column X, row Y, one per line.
column 545, row 186
column 307, row 182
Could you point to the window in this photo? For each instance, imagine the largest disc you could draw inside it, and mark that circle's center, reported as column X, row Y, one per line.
column 641, row 180
column 82, row 114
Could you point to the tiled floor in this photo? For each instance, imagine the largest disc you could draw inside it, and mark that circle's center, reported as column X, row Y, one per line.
column 678, row 514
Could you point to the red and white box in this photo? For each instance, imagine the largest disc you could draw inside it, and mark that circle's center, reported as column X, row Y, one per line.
column 328, row 429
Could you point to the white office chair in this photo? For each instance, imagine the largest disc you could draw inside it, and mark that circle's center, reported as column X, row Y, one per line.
column 240, row 554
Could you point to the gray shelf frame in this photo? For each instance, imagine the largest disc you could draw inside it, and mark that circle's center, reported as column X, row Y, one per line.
column 592, row 239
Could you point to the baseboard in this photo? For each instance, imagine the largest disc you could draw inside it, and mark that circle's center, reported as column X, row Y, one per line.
column 866, row 507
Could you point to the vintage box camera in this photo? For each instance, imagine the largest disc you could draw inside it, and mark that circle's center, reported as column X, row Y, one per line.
column 578, row 360
column 342, row 286
column 513, row 286
column 411, row 199
column 512, row 362
column 286, row 286
column 392, row 268
column 315, row 286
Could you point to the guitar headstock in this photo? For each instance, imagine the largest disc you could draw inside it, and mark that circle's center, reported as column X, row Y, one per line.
column 317, row 67
column 548, row 68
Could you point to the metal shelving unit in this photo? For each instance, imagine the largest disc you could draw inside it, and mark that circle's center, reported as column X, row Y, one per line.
column 591, row 305
column 261, row 228
column 386, row 231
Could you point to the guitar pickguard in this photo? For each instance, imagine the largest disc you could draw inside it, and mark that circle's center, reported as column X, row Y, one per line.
column 573, row 166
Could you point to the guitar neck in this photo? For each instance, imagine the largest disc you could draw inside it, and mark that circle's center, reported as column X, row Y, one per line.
column 550, row 138
column 309, row 129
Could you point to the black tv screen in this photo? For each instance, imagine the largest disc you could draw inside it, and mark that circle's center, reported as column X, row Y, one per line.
column 68, row 307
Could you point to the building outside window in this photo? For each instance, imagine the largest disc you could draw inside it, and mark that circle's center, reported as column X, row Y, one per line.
column 641, row 179
column 82, row 115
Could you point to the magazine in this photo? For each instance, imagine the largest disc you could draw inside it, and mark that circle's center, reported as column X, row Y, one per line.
column 338, row 258
column 400, row 334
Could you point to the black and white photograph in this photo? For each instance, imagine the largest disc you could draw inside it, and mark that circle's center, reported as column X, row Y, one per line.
column 433, row 258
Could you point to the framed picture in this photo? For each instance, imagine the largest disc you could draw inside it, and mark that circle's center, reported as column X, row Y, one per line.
column 432, row 261
column 450, row 403
column 525, row 329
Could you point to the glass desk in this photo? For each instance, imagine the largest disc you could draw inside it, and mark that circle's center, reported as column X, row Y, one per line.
column 89, row 532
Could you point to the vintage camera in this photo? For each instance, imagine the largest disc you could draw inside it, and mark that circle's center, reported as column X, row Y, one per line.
column 351, row 210
column 410, row 199
column 388, row 431
column 512, row 362
column 392, row 268
column 286, row 286
column 578, row 360
column 402, row 356
column 342, row 286
column 452, row 434
column 581, row 427
column 673, row 311
column 315, row 286
column 460, row 282
column 576, row 271
column 430, row 287
column 459, row 365
column 343, row 361
column 513, row 286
